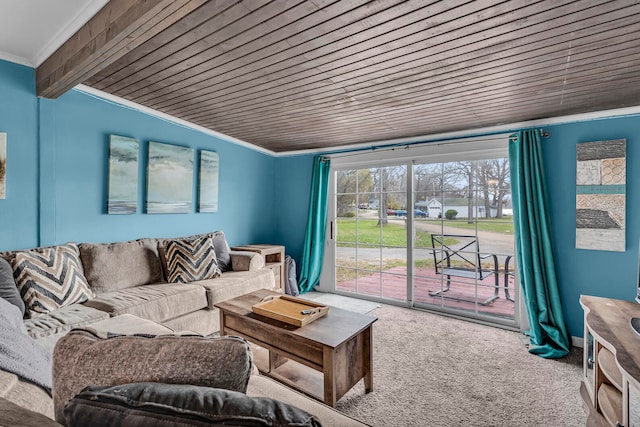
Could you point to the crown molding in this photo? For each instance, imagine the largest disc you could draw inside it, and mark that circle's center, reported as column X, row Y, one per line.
column 15, row 59
column 150, row 111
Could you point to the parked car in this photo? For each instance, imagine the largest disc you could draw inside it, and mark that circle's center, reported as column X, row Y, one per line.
column 417, row 213
column 391, row 212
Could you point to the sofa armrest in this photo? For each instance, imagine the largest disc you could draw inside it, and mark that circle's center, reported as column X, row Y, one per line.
column 246, row 261
column 85, row 357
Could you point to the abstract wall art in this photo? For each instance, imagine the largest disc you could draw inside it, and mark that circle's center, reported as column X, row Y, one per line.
column 3, row 165
column 123, row 175
column 169, row 179
column 208, row 196
column 601, row 177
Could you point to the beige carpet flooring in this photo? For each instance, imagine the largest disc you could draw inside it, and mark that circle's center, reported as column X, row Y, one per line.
column 431, row 370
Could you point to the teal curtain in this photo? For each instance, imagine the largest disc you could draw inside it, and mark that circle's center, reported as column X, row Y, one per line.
column 313, row 249
column 536, row 264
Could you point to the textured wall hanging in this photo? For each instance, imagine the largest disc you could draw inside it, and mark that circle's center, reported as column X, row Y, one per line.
column 169, row 179
column 600, row 195
column 3, row 165
column 208, row 196
column 123, row 175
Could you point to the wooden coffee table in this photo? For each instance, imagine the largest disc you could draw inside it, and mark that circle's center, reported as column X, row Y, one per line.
column 337, row 345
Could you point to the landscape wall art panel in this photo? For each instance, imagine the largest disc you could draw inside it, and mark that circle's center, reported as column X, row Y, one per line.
column 208, row 196
column 169, row 179
column 601, row 176
column 123, row 175
column 3, row 165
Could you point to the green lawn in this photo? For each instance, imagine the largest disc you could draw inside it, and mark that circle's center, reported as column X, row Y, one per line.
column 369, row 233
column 502, row 225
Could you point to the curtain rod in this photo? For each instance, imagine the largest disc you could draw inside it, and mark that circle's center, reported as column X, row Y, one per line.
column 543, row 133
column 409, row 145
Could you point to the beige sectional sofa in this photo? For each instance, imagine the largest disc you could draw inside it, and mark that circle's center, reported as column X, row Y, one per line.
column 132, row 296
column 128, row 278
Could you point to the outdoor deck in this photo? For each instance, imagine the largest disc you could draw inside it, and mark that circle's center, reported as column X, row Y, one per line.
column 392, row 284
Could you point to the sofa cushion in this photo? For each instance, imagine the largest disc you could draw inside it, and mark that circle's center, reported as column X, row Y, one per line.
column 50, row 278
column 157, row 302
column 147, row 404
column 81, row 358
column 8, row 288
column 62, row 320
column 236, row 283
column 25, row 395
column 203, row 322
column 128, row 324
column 114, row 266
column 190, row 259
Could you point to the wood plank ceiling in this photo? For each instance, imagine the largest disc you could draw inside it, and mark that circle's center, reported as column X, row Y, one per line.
column 291, row 75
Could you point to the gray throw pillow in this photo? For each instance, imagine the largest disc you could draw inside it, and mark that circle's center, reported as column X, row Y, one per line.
column 8, row 288
column 222, row 249
column 152, row 404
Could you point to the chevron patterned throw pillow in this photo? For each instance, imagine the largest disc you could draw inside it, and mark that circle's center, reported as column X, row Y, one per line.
column 189, row 260
column 50, row 278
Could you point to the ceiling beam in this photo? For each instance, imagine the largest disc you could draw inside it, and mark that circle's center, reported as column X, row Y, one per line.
column 119, row 27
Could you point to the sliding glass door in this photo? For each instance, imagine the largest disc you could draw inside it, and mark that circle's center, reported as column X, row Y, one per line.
column 370, row 237
column 433, row 231
column 463, row 249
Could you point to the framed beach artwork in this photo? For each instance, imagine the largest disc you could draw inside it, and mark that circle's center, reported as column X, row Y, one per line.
column 601, row 177
column 123, row 175
column 208, row 195
column 169, row 179
column 3, row 165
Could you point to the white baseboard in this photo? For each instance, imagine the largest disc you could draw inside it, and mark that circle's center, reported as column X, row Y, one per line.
column 577, row 342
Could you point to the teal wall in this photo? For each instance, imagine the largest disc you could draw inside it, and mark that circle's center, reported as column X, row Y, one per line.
column 599, row 273
column 293, row 177
column 57, row 172
column 19, row 120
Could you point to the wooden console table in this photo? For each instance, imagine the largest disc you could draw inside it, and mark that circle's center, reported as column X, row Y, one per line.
column 337, row 347
column 273, row 258
column 611, row 366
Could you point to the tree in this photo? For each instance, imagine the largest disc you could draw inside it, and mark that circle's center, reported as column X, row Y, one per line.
column 494, row 180
column 387, row 182
column 378, row 178
column 485, row 178
column 502, row 178
column 352, row 187
column 464, row 173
